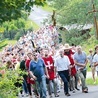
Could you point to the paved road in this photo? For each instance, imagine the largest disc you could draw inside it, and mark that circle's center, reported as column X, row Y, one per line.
column 38, row 15
column 93, row 93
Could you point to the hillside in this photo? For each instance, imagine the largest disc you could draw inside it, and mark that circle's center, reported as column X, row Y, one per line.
column 90, row 43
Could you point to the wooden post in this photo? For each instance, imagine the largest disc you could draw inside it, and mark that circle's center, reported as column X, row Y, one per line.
column 53, row 18
column 95, row 19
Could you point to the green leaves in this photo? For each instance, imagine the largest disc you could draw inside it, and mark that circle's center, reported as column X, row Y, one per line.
column 74, row 11
column 11, row 9
column 7, row 83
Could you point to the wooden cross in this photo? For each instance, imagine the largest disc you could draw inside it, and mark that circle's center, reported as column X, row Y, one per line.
column 95, row 20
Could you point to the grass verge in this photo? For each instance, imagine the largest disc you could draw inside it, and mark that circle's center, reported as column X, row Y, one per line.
column 31, row 23
column 90, row 81
column 6, row 42
column 48, row 8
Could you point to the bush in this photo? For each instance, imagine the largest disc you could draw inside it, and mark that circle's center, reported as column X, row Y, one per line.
column 7, row 87
column 75, row 36
column 19, row 34
column 10, row 82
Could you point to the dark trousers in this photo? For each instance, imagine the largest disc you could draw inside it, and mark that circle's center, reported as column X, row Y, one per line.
column 27, row 85
column 65, row 78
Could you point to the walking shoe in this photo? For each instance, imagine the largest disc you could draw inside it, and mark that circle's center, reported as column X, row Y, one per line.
column 67, row 94
column 58, row 91
column 57, row 95
column 73, row 91
column 85, row 90
column 77, row 88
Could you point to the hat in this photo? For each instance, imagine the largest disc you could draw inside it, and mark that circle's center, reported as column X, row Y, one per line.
column 96, row 47
column 61, row 48
column 67, row 46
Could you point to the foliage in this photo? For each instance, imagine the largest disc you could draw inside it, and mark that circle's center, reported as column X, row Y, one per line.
column 48, row 8
column 58, row 4
column 19, row 34
column 1, row 29
column 6, row 42
column 13, row 27
column 13, row 9
column 74, row 11
column 7, row 84
column 31, row 25
column 74, row 36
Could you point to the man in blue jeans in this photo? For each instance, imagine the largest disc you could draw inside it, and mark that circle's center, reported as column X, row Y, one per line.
column 37, row 72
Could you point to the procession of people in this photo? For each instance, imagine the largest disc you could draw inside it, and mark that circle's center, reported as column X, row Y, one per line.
column 49, row 64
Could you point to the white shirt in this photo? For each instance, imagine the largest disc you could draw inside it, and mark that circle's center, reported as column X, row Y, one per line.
column 95, row 59
column 62, row 63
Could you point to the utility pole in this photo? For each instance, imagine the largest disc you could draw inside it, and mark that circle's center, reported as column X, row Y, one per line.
column 95, row 19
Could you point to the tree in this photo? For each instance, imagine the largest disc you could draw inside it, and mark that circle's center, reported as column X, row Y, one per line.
column 12, row 9
column 74, row 11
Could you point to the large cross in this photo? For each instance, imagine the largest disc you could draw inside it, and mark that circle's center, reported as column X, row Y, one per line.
column 95, row 20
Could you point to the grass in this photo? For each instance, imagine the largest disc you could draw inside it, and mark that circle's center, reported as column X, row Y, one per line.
column 30, row 23
column 35, row 26
column 90, row 43
column 89, row 81
column 6, row 42
column 48, row 8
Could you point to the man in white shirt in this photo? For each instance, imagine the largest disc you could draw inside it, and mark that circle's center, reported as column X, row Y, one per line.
column 62, row 63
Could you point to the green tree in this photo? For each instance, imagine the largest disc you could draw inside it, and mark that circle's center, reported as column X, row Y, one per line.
column 12, row 9
column 74, row 11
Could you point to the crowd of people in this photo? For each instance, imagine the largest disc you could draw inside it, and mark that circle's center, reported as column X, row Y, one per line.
column 48, row 64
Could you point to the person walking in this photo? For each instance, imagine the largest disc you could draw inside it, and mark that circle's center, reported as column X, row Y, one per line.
column 62, row 63
column 49, row 63
column 80, row 60
column 95, row 59
column 90, row 58
column 37, row 72
column 73, row 73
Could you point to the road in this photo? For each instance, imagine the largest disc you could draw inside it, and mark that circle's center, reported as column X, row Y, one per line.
column 38, row 15
column 93, row 93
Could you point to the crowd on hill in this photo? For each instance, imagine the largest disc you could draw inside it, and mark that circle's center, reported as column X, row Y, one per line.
column 48, row 64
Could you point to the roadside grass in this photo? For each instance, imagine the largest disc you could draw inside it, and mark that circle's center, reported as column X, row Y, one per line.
column 89, row 44
column 5, row 42
column 32, row 24
column 35, row 26
column 89, row 81
column 48, row 8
